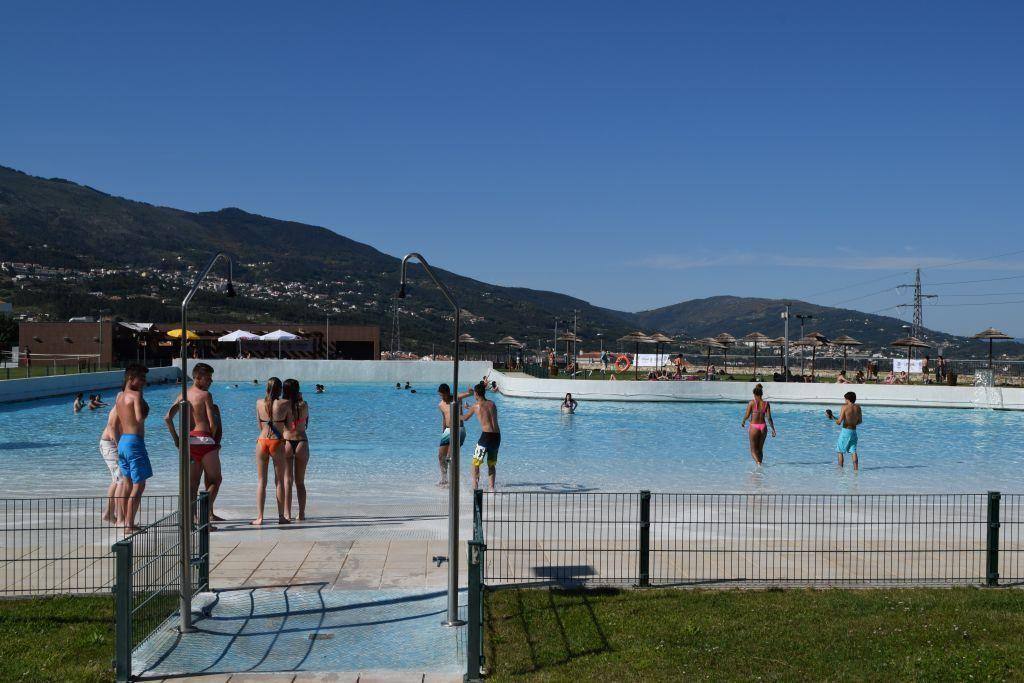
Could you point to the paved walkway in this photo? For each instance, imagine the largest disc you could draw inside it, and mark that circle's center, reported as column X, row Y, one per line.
column 383, row 635
column 334, row 565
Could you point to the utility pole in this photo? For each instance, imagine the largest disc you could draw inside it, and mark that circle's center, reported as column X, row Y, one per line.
column 915, row 330
column 785, row 345
column 327, row 339
column 575, row 345
column 803, row 317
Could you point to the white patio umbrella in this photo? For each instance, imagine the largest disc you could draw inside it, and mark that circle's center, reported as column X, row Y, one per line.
column 238, row 336
column 279, row 336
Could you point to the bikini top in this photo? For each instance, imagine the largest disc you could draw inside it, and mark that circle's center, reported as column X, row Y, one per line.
column 760, row 409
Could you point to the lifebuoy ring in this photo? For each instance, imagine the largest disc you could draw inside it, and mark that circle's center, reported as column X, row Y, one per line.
column 622, row 363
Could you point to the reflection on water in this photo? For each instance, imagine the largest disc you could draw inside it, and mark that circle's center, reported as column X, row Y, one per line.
column 371, row 441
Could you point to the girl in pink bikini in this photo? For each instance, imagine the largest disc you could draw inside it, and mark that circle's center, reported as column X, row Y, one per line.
column 759, row 412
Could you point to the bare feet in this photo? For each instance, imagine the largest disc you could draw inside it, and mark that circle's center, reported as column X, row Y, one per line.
column 129, row 530
column 216, row 518
column 109, row 518
column 283, row 520
column 257, row 522
column 302, row 516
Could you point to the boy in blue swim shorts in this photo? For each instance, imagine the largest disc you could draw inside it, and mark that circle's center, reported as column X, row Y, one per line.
column 132, row 457
column 849, row 417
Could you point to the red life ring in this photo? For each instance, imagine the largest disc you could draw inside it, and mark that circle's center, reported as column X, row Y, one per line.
column 622, row 363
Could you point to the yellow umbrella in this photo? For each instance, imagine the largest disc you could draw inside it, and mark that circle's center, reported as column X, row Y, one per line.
column 176, row 334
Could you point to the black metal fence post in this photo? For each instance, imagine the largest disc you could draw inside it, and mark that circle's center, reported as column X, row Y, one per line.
column 478, row 515
column 992, row 541
column 123, row 610
column 203, row 575
column 475, row 612
column 645, row 539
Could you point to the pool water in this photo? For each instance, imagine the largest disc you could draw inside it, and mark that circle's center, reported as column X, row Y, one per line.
column 371, row 442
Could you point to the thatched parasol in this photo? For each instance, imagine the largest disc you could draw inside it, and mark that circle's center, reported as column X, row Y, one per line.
column 991, row 334
column 757, row 338
column 814, row 342
column 726, row 340
column 911, row 343
column 660, row 340
column 846, row 342
column 509, row 342
column 711, row 343
column 637, row 338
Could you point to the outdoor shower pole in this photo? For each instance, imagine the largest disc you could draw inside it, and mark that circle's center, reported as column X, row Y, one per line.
column 184, row 466
column 452, row 618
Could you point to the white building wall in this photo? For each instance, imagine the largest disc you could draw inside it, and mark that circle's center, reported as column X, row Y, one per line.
column 327, row 371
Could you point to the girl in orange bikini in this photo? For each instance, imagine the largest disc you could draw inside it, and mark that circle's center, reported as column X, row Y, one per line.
column 272, row 415
column 759, row 412
column 297, row 447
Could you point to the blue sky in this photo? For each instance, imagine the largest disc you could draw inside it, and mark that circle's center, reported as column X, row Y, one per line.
column 632, row 154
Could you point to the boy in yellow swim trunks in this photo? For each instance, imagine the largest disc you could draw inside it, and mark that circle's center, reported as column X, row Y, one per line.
column 490, row 438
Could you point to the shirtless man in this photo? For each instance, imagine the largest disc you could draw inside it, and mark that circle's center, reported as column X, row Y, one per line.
column 132, row 457
column 204, row 429
column 108, row 449
column 444, row 406
column 849, row 417
column 490, row 438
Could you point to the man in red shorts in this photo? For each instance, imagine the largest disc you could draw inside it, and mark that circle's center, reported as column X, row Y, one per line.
column 205, row 427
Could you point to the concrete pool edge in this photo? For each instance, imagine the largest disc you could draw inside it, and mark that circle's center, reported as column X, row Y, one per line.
column 917, row 396
column 31, row 388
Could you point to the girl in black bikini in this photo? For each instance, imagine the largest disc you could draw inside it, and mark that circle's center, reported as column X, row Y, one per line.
column 296, row 446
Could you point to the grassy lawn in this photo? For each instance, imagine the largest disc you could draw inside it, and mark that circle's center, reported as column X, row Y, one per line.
column 57, row 639
column 919, row 634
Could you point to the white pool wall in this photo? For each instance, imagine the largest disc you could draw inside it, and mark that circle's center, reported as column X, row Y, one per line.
column 59, row 385
column 922, row 396
column 328, row 371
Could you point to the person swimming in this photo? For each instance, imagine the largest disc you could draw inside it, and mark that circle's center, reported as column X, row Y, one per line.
column 79, row 403
column 569, row 404
column 759, row 412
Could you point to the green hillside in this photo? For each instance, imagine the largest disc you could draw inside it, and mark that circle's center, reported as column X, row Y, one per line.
column 131, row 260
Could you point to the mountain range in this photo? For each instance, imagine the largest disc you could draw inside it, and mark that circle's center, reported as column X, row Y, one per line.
column 129, row 260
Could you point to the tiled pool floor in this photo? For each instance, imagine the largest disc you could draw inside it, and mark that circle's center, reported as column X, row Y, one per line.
column 388, row 634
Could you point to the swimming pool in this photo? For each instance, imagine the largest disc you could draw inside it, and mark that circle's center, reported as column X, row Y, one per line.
column 371, row 442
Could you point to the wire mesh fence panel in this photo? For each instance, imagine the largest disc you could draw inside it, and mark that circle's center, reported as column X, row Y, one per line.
column 771, row 539
column 63, row 545
column 818, row 539
column 1011, row 539
column 561, row 538
column 155, row 576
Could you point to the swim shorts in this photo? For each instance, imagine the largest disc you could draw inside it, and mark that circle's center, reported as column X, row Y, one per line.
column 847, row 442
column 108, row 449
column 446, row 436
column 487, row 447
column 199, row 444
column 133, row 459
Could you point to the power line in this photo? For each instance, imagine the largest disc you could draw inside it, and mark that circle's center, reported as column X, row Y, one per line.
column 971, row 282
column 988, row 294
column 973, row 260
column 977, row 303
column 865, row 296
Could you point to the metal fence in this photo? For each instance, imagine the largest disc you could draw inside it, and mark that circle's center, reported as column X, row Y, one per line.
column 651, row 539
column 62, row 545
column 47, row 367
column 148, row 580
